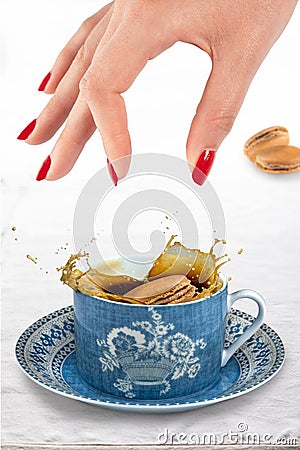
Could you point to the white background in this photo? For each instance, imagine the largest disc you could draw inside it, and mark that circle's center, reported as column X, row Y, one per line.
column 262, row 215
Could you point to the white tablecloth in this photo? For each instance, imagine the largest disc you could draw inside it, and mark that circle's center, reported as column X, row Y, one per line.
column 262, row 216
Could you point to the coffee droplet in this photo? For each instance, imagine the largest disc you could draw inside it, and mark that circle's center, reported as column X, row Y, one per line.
column 240, row 251
column 13, row 228
column 31, row 258
column 229, row 278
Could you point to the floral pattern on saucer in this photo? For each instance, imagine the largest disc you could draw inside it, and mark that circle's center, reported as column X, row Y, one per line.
column 44, row 348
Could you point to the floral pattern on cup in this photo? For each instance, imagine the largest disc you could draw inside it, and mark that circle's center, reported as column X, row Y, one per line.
column 149, row 353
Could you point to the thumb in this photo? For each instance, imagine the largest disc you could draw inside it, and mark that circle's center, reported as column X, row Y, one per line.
column 222, row 98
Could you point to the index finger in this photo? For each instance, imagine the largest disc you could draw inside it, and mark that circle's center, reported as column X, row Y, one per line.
column 113, row 70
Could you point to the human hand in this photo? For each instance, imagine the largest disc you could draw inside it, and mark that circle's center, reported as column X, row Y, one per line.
column 104, row 57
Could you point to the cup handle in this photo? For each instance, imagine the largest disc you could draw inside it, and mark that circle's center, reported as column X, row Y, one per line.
column 231, row 299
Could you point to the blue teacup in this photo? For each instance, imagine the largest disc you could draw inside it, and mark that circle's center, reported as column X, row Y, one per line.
column 156, row 352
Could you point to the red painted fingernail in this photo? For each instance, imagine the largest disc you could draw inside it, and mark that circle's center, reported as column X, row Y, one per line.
column 44, row 169
column 112, row 172
column 27, row 131
column 45, row 82
column 203, row 166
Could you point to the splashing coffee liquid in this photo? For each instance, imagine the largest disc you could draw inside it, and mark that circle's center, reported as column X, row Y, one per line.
column 202, row 269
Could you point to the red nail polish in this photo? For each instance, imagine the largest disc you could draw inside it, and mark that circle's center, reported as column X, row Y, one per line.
column 45, row 81
column 44, row 169
column 27, row 131
column 112, row 172
column 203, row 166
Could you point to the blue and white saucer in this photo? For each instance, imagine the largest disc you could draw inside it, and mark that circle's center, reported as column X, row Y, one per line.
column 46, row 353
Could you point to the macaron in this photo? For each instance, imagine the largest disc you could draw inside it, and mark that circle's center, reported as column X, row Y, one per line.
column 268, row 137
column 164, row 290
column 279, row 159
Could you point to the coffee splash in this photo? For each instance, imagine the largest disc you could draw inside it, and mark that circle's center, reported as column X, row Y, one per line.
column 202, row 269
column 97, row 284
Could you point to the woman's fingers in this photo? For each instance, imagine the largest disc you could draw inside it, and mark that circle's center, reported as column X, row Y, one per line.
column 58, row 108
column 114, row 68
column 78, row 129
column 69, row 52
column 100, row 102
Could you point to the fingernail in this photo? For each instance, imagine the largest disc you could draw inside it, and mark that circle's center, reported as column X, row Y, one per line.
column 112, row 172
column 203, row 166
column 44, row 83
column 44, row 169
column 27, row 131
